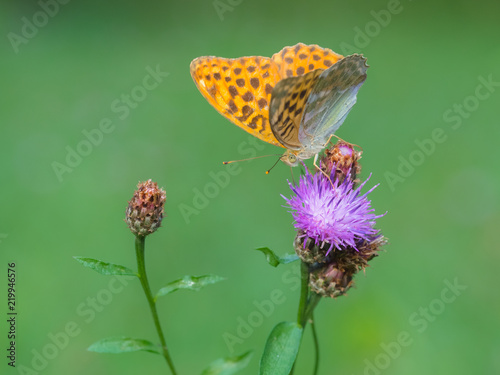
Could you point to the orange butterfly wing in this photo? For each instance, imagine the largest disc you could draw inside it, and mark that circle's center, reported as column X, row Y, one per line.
column 240, row 89
column 301, row 59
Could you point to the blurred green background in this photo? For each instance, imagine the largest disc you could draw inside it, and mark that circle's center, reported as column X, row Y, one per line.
column 63, row 78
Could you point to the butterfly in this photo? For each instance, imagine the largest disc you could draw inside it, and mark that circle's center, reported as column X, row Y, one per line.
column 296, row 99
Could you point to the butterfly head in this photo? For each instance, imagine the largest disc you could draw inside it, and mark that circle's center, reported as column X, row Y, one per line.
column 290, row 158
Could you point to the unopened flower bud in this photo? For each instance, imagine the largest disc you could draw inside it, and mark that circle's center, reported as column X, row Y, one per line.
column 334, row 278
column 331, row 281
column 344, row 158
column 145, row 210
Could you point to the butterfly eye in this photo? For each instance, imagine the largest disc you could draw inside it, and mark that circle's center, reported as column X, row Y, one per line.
column 292, row 158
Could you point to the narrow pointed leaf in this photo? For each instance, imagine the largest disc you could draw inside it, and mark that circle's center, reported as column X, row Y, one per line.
column 228, row 366
column 105, row 268
column 189, row 282
column 123, row 345
column 281, row 349
column 275, row 260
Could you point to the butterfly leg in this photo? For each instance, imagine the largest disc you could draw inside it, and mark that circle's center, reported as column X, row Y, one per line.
column 330, row 138
column 321, row 170
column 316, row 160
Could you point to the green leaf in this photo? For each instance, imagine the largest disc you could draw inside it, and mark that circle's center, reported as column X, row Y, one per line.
column 281, row 349
column 189, row 282
column 275, row 260
column 122, row 345
column 228, row 366
column 105, row 268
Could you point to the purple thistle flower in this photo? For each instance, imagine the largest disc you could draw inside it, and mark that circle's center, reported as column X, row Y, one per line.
column 334, row 214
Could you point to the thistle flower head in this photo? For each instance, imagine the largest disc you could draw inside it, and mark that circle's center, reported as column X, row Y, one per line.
column 145, row 210
column 332, row 213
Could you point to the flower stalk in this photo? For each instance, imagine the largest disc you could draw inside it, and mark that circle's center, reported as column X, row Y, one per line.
column 307, row 303
column 141, row 270
column 316, row 346
column 304, row 295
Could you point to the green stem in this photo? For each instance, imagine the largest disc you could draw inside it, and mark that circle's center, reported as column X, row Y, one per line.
column 312, row 302
column 316, row 346
column 304, row 294
column 139, row 250
column 308, row 301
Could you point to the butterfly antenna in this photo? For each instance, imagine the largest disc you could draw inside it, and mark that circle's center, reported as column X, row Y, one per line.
column 255, row 157
column 274, row 165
